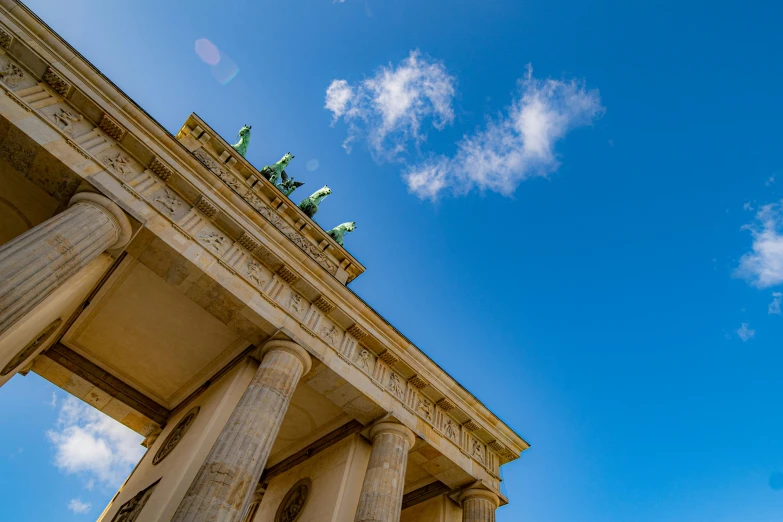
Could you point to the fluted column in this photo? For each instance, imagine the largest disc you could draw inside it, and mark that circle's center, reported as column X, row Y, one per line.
column 478, row 505
column 226, row 481
column 36, row 263
column 381, row 496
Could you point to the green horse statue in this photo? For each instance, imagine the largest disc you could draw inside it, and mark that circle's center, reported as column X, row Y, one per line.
column 274, row 172
column 310, row 205
column 339, row 231
column 244, row 140
column 288, row 185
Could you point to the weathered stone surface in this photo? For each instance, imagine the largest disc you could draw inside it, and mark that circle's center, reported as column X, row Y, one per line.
column 36, row 263
column 224, row 485
column 381, row 496
column 478, row 505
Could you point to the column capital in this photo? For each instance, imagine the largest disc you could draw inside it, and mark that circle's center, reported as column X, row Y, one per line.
column 290, row 347
column 479, row 493
column 394, row 427
column 112, row 211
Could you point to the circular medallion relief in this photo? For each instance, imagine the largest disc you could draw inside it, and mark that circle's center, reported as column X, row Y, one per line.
column 176, row 435
column 294, row 501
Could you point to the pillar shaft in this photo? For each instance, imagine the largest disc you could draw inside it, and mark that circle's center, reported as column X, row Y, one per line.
column 36, row 263
column 479, row 505
column 381, row 496
column 226, row 481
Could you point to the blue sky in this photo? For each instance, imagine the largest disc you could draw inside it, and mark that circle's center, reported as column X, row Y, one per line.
column 572, row 207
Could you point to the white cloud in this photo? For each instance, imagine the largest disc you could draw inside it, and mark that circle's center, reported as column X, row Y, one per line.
column 79, row 507
column 763, row 265
column 745, row 333
column 93, row 445
column 774, row 306
column 391, row 108
column 770, row 181
column 53, row 402
column 513, row 147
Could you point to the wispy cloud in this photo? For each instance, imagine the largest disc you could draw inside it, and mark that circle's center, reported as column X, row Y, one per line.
column 93, row 445
column 79, row 507
column 745, row 333
column 393, row 108
column 513, row 147
column 763, row 265
column 774, row 306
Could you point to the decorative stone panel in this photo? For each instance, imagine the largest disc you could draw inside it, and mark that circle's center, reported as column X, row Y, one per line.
column 497, row 446
column 389, row 358
column 5, row 39
column 110, row 126
column 206, row 207
column 247, row 241
column 324, row 304
column 445, row 404
column 357, row 331
column 56, row 82
column 287, row 275
column 418, row 383
column 471, row 426
column 160, row 169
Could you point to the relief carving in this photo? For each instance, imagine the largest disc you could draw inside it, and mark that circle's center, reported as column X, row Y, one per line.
column 255, row 273
column 176, row 435
column 168, row 201
column 119, row 164
column 11, row 74
column 213, row 240
column 330, row 334
column 478, row 451
column 450, row 429
column 395, row 385
column 129, row 511
column 425, row 408
column 64, row 120
column 296, row 303
column 364, row 361
column 294, row 502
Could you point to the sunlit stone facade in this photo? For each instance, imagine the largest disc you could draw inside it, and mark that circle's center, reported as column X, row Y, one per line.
column 162, row 280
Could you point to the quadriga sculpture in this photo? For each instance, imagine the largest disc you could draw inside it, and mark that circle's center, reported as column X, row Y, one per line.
column 274, row 172
column 244, row 140
column 310, row 205
column 338, row 232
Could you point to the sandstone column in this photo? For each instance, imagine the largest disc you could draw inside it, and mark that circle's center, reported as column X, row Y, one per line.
column 381, row 496
column 226, row 481
column 478, row 505
column 36, row 263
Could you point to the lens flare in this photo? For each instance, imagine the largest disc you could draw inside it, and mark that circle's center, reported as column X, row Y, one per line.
column 207, row 51
column 221, row 66
column 312, row 165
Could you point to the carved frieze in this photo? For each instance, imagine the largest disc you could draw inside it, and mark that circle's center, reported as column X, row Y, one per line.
column 477, row 452
column 64, row 119
column 119, row 163
column 130, row 511
column 294, row 502
column 395, row 385
column 297, row 303
column 110, row 126
column 167, row 201
column 331, row 334
column 425, row 408
column 55, row 80
column 11, row 74
column 450, row 429
column 176, row 435
column 214, row 240
column 256, row 274
column 364, row 361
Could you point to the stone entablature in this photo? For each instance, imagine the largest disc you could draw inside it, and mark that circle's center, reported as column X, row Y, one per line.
column 205, row 196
